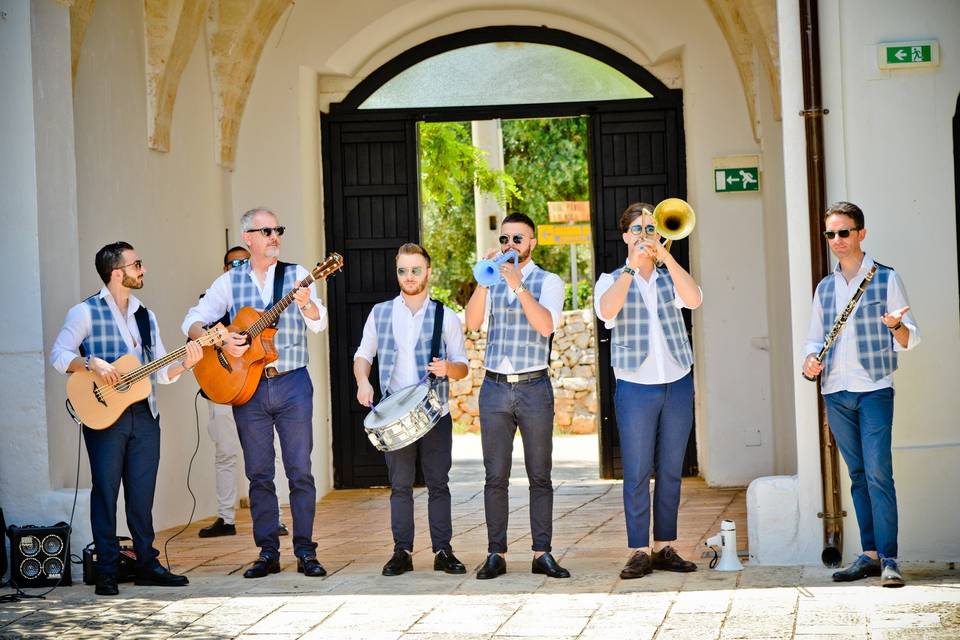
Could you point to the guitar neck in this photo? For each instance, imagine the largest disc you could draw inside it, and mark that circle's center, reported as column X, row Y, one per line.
column 270, row 316
column 155, row 365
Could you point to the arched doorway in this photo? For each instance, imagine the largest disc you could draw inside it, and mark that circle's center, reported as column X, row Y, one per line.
column 370, row 172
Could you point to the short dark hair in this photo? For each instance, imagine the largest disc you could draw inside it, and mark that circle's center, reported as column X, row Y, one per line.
column 226, row 256
column 108, row 258
column 848, row 209
column 632, row 212
column 522, row 218
column 413, row 249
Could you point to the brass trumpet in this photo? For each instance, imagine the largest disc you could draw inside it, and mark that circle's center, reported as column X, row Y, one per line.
column 674, row 219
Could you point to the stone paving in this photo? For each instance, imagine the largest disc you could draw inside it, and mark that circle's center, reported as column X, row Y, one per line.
column 355, row 601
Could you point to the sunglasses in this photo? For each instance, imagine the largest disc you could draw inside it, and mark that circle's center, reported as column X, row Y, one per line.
column 236, row 262
column 516, row 238
column 136, row 263
column 268, row 231
column 402, row 271
column 637, row 229
column 843, row 233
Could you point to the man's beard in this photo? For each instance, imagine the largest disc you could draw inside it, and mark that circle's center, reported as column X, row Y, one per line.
column 132, row 283
column 272, row 252
column 522, row 255
column 418, row 288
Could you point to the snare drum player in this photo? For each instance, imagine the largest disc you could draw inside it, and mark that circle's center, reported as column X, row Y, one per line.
column 400, row 332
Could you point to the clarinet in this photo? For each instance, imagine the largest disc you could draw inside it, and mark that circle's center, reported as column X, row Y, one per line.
column 842, row 319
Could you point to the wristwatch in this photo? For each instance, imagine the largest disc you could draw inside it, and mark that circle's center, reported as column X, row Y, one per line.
column 520, row 289
column 897, row 326
column 307, row 306
column 630, row 270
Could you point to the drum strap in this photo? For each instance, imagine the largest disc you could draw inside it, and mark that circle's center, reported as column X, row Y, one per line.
column 437, row 330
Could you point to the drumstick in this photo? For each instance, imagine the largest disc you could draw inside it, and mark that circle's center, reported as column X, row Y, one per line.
column 373, row 409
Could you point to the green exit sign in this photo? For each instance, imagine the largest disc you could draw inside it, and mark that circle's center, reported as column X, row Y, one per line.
column 736, row 179
column 906, row 55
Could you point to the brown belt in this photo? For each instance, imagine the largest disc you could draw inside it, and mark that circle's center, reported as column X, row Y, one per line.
column 272, row 372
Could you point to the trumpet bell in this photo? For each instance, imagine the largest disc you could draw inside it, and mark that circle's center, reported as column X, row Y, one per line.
column 674, row 219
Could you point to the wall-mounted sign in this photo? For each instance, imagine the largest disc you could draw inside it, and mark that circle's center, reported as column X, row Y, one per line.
column 736, row 173
column 563, row 234
column 907, row 55
column 571, row 211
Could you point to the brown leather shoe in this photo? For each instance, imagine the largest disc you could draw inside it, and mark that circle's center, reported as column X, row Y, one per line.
column 667, row 559
column 637, row 566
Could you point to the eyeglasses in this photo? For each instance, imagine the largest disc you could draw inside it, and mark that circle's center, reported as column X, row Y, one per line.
column 136, row 263
column 637, row 229
column 236, row 262
column 516, row 238
column 843, row 233
column 268, row 231
column 402, row 271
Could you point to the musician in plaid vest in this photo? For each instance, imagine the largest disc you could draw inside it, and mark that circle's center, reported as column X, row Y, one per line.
column 856, row 380
column 95, row 333
column 399, row 332
column 283, row 401
column 522, row 310
column 651, row 357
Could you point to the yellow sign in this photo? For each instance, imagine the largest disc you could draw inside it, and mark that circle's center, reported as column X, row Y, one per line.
column 574, row 211
column 563, row 234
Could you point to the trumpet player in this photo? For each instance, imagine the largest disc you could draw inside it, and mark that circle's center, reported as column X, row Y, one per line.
column 857, row 385
column 651, row 357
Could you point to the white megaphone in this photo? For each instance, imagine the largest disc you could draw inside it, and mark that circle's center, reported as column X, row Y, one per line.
column 727, row 541
column 487, row 272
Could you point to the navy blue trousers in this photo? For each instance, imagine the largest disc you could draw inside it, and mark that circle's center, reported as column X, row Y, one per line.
column 127, row 453
column 654, row 422
column 284, row 403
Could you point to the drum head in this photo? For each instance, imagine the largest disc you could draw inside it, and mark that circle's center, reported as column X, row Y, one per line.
column 395, row 406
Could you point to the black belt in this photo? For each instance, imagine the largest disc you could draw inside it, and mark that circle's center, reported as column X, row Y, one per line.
column 273, row 372
column 513, row 378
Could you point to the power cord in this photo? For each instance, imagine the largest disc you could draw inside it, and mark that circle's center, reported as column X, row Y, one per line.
column 193, row 509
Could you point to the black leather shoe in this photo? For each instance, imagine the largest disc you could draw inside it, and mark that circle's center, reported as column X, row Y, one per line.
column 447, row 562
column 159, row 577
column 310, row 567
column 547, row 565
column 217, row 529
column 399, row 562
column 106, row 585
column 667, row 559
column 282, row 530
column 262, row 566
column 493, row 567
column 637, row 566
column 862, row 567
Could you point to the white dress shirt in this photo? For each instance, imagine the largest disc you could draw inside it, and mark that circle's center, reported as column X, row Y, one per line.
column 551, row 297
column 846, row 373
column 78, row 325
column 407, row 330
column 660, row 367
column 219, row 299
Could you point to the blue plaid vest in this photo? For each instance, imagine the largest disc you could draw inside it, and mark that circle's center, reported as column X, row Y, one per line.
column 874, row 340
column 630, row 339
column 290, row 340
column 106, row 342
column 387, row 346
column 509, row 333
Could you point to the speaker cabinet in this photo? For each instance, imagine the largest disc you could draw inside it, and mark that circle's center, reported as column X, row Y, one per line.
column 40, row 556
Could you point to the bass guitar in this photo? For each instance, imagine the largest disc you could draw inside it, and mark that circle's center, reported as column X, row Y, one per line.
column 99, row 406
column 230, row 380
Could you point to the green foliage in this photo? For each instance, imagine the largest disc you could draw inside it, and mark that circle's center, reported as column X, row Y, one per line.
column 584, row 295
column 445, row 296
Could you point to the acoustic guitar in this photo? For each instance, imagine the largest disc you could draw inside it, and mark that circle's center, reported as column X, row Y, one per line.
column 99, row 406
column 229, row 380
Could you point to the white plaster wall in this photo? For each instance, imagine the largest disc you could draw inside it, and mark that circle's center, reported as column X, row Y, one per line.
column 167, row 205
column 890, row 150
column 351, row 40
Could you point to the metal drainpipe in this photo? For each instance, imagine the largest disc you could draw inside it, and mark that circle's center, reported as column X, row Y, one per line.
column 812, row 114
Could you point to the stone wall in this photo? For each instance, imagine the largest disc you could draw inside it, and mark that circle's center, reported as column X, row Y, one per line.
column 572, row 372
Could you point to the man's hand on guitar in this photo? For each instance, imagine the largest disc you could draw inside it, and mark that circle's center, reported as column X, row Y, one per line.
column 236, row 344
column 106, row 373
column 193, row 356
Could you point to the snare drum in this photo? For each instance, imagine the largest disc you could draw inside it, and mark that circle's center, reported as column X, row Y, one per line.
column 404, row 417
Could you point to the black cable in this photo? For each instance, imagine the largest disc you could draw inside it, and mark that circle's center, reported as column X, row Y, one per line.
column 193, row 509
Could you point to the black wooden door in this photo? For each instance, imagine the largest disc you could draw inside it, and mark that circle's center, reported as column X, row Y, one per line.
column 637, row 154
column 371, row 208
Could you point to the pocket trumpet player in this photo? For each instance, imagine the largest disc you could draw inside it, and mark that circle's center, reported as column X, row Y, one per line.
column 856, row 380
